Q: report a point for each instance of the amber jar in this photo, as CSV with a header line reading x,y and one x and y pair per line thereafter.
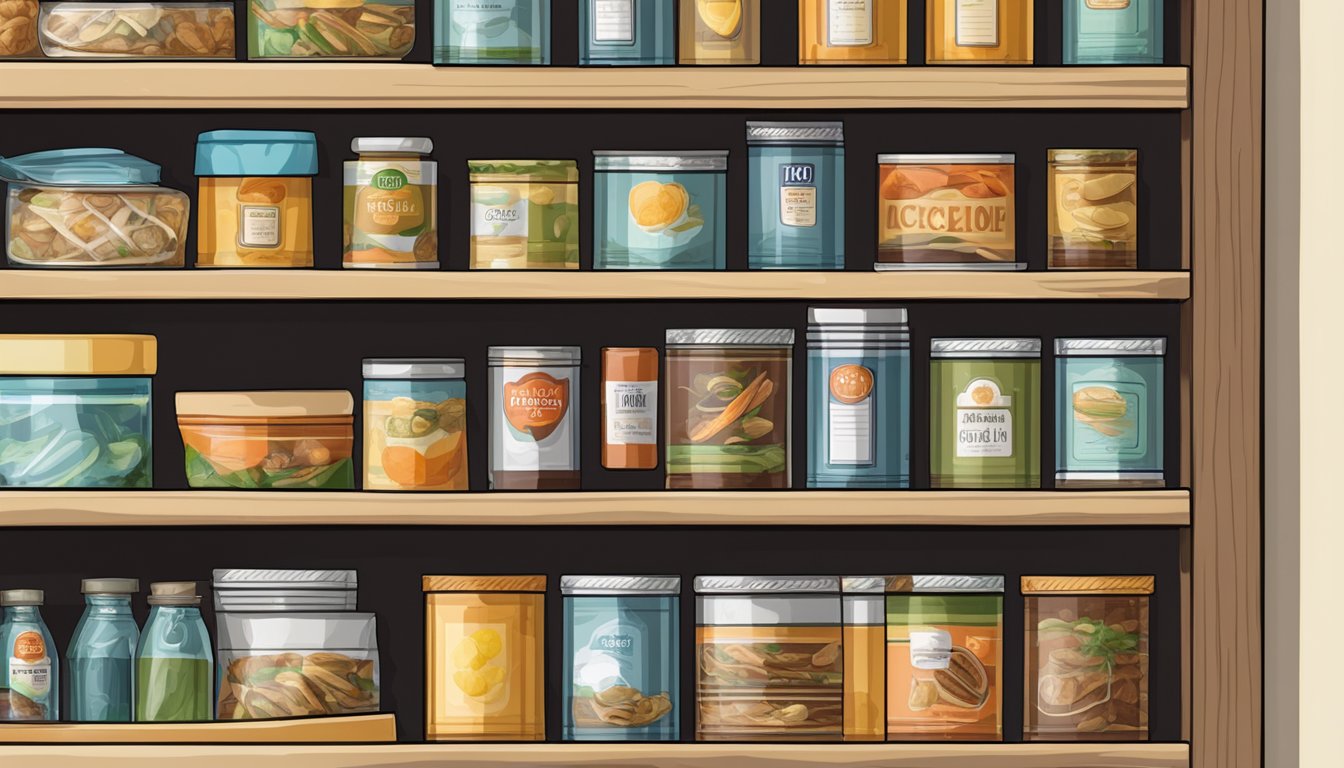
x,y
630,408
979,31
863,32
1094,208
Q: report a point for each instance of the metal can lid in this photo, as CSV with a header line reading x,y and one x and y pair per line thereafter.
x,y
173,593
796,133
986,348
411,145
283,578
415,368
21,597
1087,156
78,355
109,586
947,159
766,584
746,337
944,583
856,316
620,585
1088,585
653,160
863,585
539,356
1111,347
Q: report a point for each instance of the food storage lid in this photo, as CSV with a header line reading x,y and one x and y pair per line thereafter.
x,y
483,583
796,134
250,589
256,153
523,170
816,610
697,160
539,356
853,316
173,593
21,597
411,145
78,355
863,585
620,585
311,632
947,159
71,167
1110,347
720,337
1093,155
758,584
279,404
986,348
110,586
1088,585
414,368
944,583
865,602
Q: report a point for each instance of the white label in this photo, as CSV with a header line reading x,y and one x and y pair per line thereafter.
x,y
798,206
984,422
930,648
849,23
632,412
978,23
613,21
499,220
259,226
850,442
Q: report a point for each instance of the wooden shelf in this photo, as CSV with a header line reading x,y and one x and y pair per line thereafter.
x,y
309,85
192,508
323,730
185,284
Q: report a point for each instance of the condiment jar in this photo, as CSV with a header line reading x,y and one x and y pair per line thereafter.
x,y
391,204
720,32
797,195
500,32
1113,32
1094,208
330,29
415,424
947,212
979,31
534,418
629,407
660,210
627,32
524,214
1109,421
31,679
174,662
102,653
866,32
256,198
864,644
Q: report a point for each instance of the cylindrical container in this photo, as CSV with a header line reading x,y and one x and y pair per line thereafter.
x,y
1109,421
985,413
944,658
30,681
858,398
174,662
268,440
391,204
484,642
865,32
749,629
797,195
865,666
660,210
627,32
629,407
75,411
102,653
256,198
534,418
524,214
18,30
720,32
365,30
947,212
1113,32
729,408
415,424
1087,658
499,32
622,644
979,31
1094,208
151,31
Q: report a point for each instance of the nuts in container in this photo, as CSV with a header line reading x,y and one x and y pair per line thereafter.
x,y
137,30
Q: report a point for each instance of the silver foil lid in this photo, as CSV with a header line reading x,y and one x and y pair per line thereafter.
x,y
535,356
745,337
822,133
415,368
411,145
1111,347
695,160
766,584
863,585
284,579
110,586
620,585
855,316
986,348
946,159
944,583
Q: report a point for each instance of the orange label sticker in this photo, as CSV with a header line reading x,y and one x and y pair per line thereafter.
x,y
851,383
29,647
536,403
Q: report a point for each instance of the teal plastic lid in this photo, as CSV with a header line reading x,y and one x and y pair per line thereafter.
x,y
71,167
256,153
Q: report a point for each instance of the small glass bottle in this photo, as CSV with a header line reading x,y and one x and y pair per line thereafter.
x,y
639,33
102,653
796,181
979,31
509,32
391,204
630,408
174,662
720,32
30,686
1113,32
864,32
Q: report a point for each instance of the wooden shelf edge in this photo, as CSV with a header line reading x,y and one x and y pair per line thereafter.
x,y
318,730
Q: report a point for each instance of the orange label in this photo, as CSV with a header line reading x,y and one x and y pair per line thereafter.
x,y
28,647
851,383
536,403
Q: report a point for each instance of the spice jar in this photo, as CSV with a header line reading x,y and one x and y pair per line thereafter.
x,y
797,195
150,31
947,212
1109,420
391,204
864,644
367,30
1087,658
627,32
629,407
858,394
497,32
660,210
30,681
1113,32
534,418
622,644
484,641
944,658
18,29
102,653
865,32
524,214
728,408
174,663
256,198
980,31
985,397
1094,217
720,32
415,424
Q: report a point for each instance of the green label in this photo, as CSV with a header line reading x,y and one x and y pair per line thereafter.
x,y
388,179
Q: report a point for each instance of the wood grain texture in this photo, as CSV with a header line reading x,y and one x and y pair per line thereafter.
x,y
356,728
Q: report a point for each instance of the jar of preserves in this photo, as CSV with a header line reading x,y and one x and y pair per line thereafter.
x,y
864,645
365,30
391,204
534,418
947,212
415,424
1113,32
1094,208
1109,420
980,31
499,32
660,210
627,32
797,195
720,32
102,653
524,214
865,32
174,662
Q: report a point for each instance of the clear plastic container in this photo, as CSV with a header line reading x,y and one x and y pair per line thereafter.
x,y
31,688
862,32
330,29
166,30
947,212
720,32
18,30
174,664
1109,419
627,32
498,32
660,210
796,182
524,214
1113,32
415,424
101,654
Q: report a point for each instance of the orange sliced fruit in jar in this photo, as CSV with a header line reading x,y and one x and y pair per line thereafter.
x,y
722,17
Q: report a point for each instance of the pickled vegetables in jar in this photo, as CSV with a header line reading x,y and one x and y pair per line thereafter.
x,y
332,29
415,425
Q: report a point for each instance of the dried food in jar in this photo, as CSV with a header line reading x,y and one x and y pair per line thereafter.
x,y
18,28
138,30
50,227
1094,216
621,706
297,685
354,29
947,211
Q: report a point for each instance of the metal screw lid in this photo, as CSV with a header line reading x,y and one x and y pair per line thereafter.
x,y
764,584
746,337
804,133
986,348
110,586
1111,347
620,585
21,597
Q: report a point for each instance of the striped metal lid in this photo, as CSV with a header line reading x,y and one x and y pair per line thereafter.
x,y
1088,585
971,348
727,337
620,585
944,583
1145,347
766,584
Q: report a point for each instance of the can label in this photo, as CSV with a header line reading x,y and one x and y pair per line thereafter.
x,y
798,195
977,23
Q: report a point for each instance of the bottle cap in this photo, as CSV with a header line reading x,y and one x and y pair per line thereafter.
x,y
21,597
109,586
173,593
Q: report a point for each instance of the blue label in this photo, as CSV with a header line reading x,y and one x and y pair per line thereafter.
x,y
797,174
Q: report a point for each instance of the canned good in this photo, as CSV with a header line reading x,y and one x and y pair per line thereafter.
x,y
628,32
797,195
497,32
524,214
979,31
660,210
1113,32
1110,414
864,646
720,32
1094,214
415,424
863,32
534,418
629,407
947,212
391,204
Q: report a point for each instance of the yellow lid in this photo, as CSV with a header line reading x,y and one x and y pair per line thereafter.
x,y
1087,585
483,583
78,355
275,404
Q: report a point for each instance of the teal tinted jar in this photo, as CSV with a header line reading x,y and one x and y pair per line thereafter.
x,y
797,195
102,653
506,32
174,662
1109,424
1113,31
660,210
621,648
627,32
30,683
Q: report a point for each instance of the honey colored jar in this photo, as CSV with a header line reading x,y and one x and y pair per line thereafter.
x,y
979,31
629,408
720,32
861,32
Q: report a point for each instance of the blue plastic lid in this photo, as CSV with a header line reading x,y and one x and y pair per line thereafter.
x,y
69,167
256,153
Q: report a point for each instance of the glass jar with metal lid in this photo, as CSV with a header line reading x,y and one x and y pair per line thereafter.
x,y
1110,417
1094,208
1113,32
660,210
534,418
524,214
415,424
622,645
797,195
947,211
391,206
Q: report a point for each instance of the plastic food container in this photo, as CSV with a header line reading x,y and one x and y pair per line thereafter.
x,y
1110,418
75,411
660,210
865,32
1113,32
720,32
628,32
391,204
18,29
947,212
796,182
268,440
484,641
330,29
166,30
499,32
979,31
91,208
1094,208
534,418
524,214
415,425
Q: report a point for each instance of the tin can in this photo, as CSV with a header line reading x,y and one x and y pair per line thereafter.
x,y
797,195
947,212
534,418
639,33
660,210
1113,32
1109,420
391,204
1094,208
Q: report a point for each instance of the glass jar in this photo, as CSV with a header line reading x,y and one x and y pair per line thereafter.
x,y
75,411
621,651
330,29
720,32
865,32
30,688
797,195
944,658
864,644
1087,658
391,204
155,30
174,665
627,32
1110,413
102,653
534,418
485,637
858,394
980,31
985,400
629,407
660,210
947,212
90,208
415,424
268,440
256,198
18,30
1113,32
524,214
498,32
1094,208
729,408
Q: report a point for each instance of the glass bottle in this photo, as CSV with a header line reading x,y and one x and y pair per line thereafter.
x,y
174,666
102,652
30,685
